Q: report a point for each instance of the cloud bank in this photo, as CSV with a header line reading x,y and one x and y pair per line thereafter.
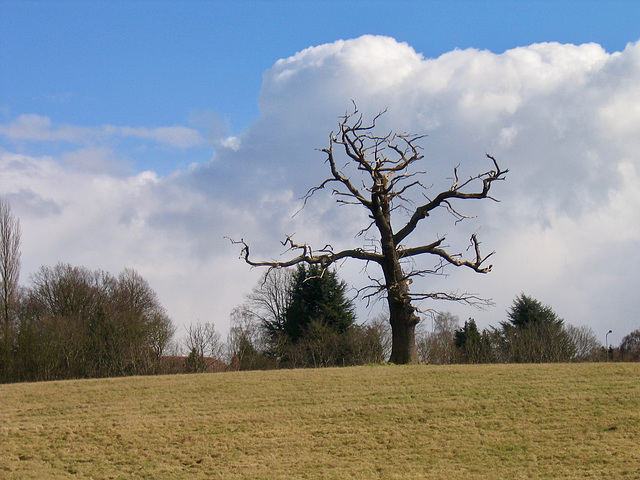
x,y
563,118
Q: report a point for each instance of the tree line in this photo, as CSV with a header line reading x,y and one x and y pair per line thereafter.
x,y
271,330
72,322
532,333
76,323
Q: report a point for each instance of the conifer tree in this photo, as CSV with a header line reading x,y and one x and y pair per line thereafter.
x,y
317,295
534,333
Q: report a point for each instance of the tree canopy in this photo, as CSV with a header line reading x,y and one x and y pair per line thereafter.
x,y
527,311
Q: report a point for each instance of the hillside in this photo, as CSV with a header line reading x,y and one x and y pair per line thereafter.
x,y
388,422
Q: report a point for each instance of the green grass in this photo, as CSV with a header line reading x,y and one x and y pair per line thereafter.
x,y
388,422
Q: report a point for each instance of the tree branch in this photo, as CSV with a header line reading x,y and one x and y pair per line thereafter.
x,y
323,257
421,212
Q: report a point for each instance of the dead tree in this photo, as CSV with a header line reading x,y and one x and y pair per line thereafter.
x,y
383,181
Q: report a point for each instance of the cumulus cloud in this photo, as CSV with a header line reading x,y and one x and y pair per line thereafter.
x,y
563,118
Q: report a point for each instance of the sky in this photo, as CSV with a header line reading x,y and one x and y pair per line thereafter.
x,y
145,134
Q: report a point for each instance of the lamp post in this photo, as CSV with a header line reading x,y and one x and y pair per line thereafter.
x,y
606,342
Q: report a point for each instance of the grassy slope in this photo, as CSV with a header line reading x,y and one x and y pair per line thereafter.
x,y
496,421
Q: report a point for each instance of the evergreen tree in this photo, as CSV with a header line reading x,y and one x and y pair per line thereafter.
x,y
527,311
534,333
316,296
474,347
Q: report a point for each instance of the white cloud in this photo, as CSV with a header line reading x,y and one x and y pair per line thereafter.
x,y
97,160
232,143
33,127
563,118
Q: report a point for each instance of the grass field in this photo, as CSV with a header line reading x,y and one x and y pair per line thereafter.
x,y
388,422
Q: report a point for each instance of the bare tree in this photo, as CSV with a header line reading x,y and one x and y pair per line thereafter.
x,y
269,299
205,347
9,262
630,347
585,343
380,330
246,341
438,346
383,181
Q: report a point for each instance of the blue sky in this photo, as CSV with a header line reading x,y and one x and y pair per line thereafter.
x,y
156,63
142,133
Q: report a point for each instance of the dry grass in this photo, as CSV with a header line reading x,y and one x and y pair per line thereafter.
x,y
496,421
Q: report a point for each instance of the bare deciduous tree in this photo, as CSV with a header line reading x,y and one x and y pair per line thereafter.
x,y
246,342
438,346
9,261
269,299
205,347
585,342
630,347
380,330
382,180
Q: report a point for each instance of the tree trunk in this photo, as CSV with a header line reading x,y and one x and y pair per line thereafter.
x,y
402,314
403,329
